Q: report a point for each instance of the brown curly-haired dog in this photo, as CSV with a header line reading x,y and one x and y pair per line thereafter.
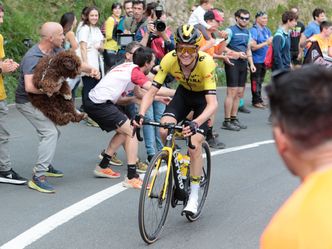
x,y
50,77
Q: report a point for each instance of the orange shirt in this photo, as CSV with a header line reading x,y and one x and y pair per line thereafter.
x,y
211,51
305,219
323,43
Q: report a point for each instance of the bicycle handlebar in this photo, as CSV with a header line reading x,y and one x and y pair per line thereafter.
x,y
171,126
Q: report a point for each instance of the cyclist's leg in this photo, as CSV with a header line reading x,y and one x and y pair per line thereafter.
x,y
166,119
196,159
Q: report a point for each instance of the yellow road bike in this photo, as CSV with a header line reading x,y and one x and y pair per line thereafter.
x,y
167,182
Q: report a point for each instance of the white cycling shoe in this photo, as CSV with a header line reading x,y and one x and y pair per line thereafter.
x,y
191,207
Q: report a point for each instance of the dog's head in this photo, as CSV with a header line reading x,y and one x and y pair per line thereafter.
x,y
68,64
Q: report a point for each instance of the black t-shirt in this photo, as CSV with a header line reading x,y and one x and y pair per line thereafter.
x,y
295,35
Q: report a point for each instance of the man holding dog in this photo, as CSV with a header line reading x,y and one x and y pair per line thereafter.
x,y
52,37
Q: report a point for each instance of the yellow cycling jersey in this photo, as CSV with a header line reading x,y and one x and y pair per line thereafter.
x,y
201,79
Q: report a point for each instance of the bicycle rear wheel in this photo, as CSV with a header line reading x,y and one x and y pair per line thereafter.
x,y
205,182
153,208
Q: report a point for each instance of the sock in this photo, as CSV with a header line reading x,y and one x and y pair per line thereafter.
x,y
131,171
209,133
227,120
105,161
233,118
241,103
194,185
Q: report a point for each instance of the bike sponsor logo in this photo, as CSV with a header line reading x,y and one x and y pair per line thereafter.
x,y
178,171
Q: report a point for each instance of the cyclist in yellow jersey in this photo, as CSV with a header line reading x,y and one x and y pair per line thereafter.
x,y
194,70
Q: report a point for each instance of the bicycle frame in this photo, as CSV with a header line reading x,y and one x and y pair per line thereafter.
x,y
169,145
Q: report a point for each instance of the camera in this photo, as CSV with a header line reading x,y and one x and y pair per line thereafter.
x,y
28,42
124,39
159,25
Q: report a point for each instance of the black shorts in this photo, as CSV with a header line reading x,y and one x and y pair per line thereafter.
x,y
294,60
106,115
236,75
184,102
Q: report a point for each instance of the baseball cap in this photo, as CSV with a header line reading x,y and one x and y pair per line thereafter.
x,y
213,15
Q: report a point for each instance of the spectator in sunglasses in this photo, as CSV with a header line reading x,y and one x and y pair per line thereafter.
x,y
238,44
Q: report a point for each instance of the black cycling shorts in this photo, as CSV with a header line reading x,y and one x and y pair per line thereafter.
x,y
184,102
236,75
106,115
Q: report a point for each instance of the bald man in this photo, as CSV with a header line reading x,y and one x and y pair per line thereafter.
x,y
51,39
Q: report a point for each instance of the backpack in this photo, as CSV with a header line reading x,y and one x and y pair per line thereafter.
x,y
115,29
268,61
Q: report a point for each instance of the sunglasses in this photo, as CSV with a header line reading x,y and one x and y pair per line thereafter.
x,y
244,18
189,50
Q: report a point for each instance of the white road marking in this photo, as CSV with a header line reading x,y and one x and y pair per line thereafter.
x,y
44,227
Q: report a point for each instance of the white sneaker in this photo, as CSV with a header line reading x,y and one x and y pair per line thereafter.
x,y
191,207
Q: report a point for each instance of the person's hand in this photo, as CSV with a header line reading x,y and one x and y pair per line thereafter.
x,y
210,43
252,68
189,128
8,66
95,73
300,55
242,55
233,55
311,39
138,120
227,60
151,28
269,41
223,34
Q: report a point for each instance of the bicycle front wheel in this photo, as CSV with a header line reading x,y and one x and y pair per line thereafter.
x,y
205,182
155,198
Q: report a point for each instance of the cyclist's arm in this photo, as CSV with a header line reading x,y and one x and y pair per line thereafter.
x,y
147,100
210,109
163,91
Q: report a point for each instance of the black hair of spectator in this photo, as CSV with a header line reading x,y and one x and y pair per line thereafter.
x,y
325,25
241,11
115,5
132,45
317,12
150,7
143,55
87,13
301,104
288,16
126,2
2,9
83,13
66,21
138,2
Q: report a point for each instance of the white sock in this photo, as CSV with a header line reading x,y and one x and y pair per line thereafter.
x,y
194,191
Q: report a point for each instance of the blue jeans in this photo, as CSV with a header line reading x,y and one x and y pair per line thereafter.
x,y
151,134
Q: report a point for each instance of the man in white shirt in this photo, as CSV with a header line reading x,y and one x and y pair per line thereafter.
x,y
101,107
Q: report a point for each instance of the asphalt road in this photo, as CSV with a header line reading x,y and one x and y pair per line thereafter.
x,y
248,184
